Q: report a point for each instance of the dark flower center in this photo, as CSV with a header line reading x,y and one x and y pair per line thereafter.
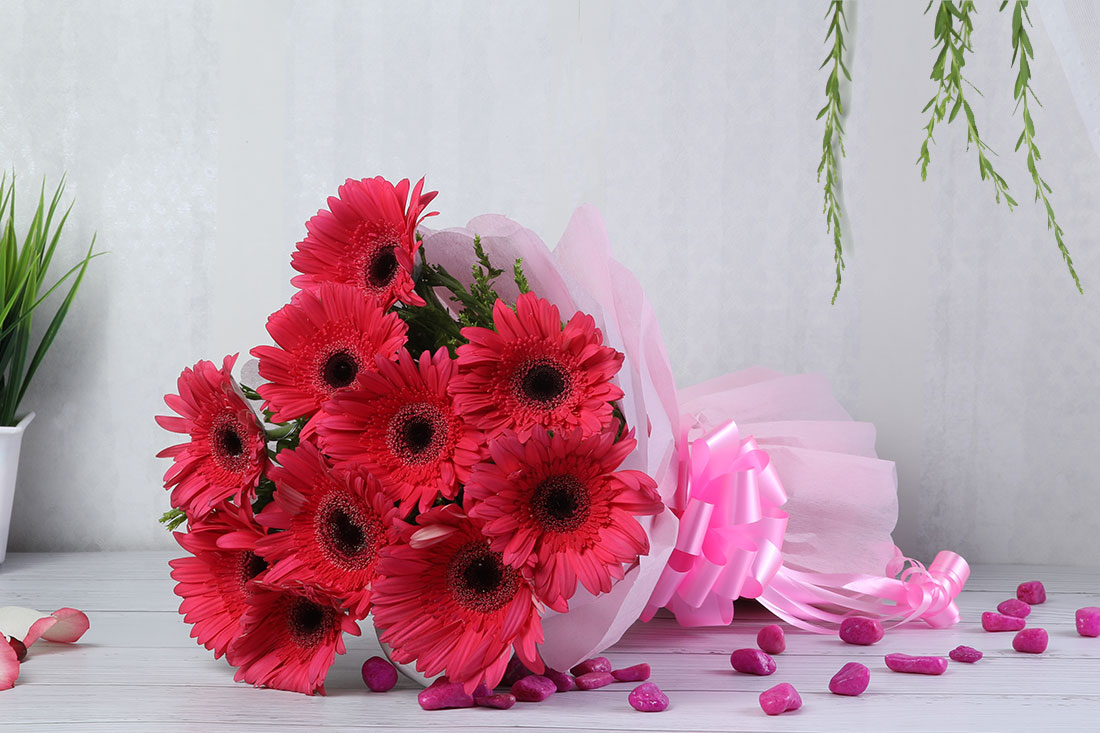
x,y
543,382
560,503
308,621
416,433
228,442
381,267
479,579
346,537
252,565
340,369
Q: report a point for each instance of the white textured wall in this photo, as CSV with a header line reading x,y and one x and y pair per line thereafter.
x,y
200,136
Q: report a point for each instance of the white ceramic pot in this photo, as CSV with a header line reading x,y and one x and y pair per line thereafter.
x,y
11,439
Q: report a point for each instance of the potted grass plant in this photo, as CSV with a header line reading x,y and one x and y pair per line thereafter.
x,y
24,273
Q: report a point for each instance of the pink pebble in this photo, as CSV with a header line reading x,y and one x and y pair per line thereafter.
x,y
1030,641
648,698
998,622
861,630
500,701
379,674
534,688
1014,607
594,680
851,680
780,699
443,694
1088,621
771,639
563,681
596,664
514,672
916,665
752,661
966,654
637,673
1031,592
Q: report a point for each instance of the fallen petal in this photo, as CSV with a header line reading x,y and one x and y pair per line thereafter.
x,y
64,625
9,667
71,625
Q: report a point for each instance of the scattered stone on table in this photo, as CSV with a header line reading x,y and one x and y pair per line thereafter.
x,y
752,661
861,630
916,665
771,639
999,622
1088,621
594,680
1014,607
379,674
1031,592
966,654
636,673
851,680
534,688
563,681
443,694
648,698
596,664
500,701
1030,641
782,698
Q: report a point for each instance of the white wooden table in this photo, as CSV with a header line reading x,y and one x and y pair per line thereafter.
x,y
137,669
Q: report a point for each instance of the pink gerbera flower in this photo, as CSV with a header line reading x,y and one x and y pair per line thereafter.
x,y
227,451
333,528
533,371
327,339
401,426
214,582
557,504
366,238
289,639
449,602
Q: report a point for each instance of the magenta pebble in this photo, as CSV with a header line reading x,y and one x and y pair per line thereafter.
x,y
500,701
1088,621
514,672
637,673
1030,641
534,688
916,665
648,698
594,680
782,698
966,654
596,664
771,639
752,661
1014,607
851,680
563,681
997,622
1031,592
443,694
861,630
379,674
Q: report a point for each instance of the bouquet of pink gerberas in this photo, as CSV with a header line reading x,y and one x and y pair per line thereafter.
x,y
477,444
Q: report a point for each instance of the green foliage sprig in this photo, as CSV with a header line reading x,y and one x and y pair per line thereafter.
x,y
833,139
1021,53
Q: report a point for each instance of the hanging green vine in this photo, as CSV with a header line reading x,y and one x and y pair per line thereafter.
x,y
834,131
1021,53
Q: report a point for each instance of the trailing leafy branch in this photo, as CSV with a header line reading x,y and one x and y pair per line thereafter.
x,y
833,139
953,26
1021,53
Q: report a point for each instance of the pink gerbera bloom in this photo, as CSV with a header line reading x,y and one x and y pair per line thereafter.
x,y
449,602
227,451
401,426
366,238
333,526
557,504
289,639
327,339
533,371
214,582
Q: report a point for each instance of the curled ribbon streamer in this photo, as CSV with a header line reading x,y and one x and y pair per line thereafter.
x,y
730,543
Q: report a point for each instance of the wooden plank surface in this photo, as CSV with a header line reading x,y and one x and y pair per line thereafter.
x,y
137,669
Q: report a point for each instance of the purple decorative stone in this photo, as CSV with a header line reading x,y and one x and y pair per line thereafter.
x,y
594,680
648,698
596,664
637,673
861,630
514,672
1088,621
1014,607
851,680
563,681
782,698
379,674
771,639
1031,592
916,665
443,694
998,622
966,654
500,701
1030,641
534,688
752,661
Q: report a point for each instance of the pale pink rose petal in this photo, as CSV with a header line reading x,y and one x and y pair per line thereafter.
x,y
64,625
9,667
38,629
71,625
